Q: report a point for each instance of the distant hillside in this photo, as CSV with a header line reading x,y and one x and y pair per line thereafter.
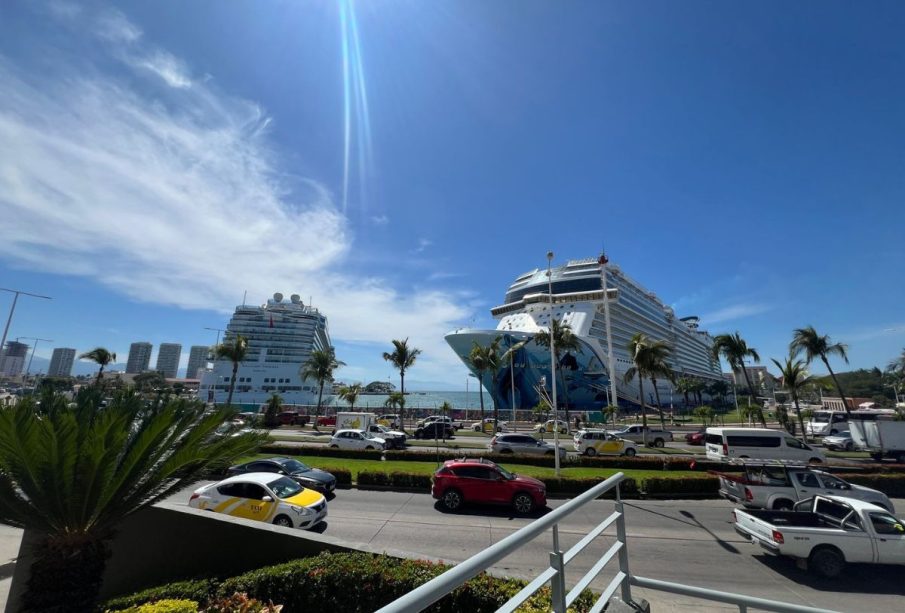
x,y
861,383
40,365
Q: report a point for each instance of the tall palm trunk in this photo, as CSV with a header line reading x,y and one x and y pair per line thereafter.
x,y
481,397
848,411
804,434
317,409
496,410
763,420
100,373
565,394
686,398
659,406
232,384
402,406
643,410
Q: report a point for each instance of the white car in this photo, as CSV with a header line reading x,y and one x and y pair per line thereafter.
x,y
601,442
486,425
523,444
548,426
267,497
356,439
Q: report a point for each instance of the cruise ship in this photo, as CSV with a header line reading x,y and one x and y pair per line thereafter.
x,y
281,335
578,300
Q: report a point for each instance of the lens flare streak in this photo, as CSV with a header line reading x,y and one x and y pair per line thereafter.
x,y
357,134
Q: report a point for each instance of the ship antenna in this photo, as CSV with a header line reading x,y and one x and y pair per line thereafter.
x,y
244,296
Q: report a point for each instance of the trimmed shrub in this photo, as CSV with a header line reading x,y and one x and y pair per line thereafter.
x,y
360,582
373,477
169,605
573,487
343,475
412,480
665,486
198,590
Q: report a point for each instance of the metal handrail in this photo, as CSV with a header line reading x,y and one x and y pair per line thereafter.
x,y
438,587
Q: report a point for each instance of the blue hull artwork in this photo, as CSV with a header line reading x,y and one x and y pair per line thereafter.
x,y
581,377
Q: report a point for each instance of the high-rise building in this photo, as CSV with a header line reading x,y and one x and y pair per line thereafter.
x,y
61,362
197,360
12,359
168,359
139,357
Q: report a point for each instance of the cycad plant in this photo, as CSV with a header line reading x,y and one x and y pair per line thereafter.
x,y
814,345
71,472
100,356
320,365
234,351
402,358
564,340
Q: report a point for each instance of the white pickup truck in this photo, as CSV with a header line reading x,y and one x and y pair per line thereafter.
x,y
779,486
656,437
834,532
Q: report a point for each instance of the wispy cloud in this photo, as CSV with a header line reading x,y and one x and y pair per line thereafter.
x,y
442,276
180,199
423,244
380,220
734,312
867,334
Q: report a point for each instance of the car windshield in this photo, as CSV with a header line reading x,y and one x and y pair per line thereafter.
x,y
506,474
294,466
284,487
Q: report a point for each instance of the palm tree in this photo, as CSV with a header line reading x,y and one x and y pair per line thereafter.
x,y
233,351
402,358
272,411
794,377
483,359
648,360
149,381
734,349
813,345
509,356
395,400
71,472
897,365
100,356
350,394
320,366
564,340
685,386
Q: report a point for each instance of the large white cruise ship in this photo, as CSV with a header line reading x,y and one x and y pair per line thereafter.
x,y
578,299
281,335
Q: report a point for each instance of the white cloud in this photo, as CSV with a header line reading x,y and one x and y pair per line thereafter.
x,y
423,244
733,312
116,27
171,69
178,199
380,220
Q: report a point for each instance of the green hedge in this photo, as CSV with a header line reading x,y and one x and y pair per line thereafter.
x,y
892,485
199,590
343,476
658,486
360,582
573,487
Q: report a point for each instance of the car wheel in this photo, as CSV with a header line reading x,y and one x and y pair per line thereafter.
x,y
452,499
876,457
630,452
334,446
849,446
659,443
506,450
542,430
827,562
590,452
523,503
815,461
282,520
782,505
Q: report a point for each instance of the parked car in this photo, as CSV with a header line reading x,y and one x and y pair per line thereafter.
x,y
486,425
301,473
475,480
435,429
325,420
601,442
780,486
839,442
293,418
547,426
832,532
265,497
524,444
356,439
656,437
696,438
758,444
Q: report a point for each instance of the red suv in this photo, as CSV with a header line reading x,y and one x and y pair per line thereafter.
x,y
481,481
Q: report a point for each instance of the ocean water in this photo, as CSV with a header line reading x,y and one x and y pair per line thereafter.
x,y
420,400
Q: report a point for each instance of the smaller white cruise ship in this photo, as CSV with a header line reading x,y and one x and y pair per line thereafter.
x,y
281,335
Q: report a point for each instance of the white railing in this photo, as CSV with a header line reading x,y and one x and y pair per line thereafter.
x,y
425,595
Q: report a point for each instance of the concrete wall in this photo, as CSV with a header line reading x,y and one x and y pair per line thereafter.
x,y
169,542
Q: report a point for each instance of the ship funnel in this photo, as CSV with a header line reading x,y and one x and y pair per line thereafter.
x,y
278,297
295,298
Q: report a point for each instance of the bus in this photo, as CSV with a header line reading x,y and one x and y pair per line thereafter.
x,y
824,423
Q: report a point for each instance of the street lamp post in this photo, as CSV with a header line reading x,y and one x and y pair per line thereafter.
x,y
553,366
33,349
12,310
218,331
614,399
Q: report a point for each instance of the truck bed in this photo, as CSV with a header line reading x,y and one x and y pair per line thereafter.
x,y
795,519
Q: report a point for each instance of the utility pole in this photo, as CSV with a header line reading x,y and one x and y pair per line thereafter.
x,y
603,260
553,366
12,309
33,349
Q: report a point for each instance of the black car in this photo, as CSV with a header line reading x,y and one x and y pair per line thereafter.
x,y
435,429
304,475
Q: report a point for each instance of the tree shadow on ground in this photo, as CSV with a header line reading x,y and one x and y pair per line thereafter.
x,y
855,578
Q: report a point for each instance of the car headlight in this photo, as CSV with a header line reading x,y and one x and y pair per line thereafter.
x,y
302,510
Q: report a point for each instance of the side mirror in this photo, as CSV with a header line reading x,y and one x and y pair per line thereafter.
x,y
267,499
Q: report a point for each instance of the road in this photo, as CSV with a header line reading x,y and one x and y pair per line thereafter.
x,y
690,542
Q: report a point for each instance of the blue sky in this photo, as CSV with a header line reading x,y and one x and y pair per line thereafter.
x,y
743,160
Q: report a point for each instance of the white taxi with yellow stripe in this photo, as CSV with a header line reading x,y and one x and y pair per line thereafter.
x,y
266,497
601,442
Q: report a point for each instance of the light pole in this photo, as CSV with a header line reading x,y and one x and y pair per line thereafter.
x,y
218,331
12,309
512,377
603,260
553,366
33,349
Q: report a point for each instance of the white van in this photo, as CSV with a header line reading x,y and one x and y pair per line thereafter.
x,y
759,444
